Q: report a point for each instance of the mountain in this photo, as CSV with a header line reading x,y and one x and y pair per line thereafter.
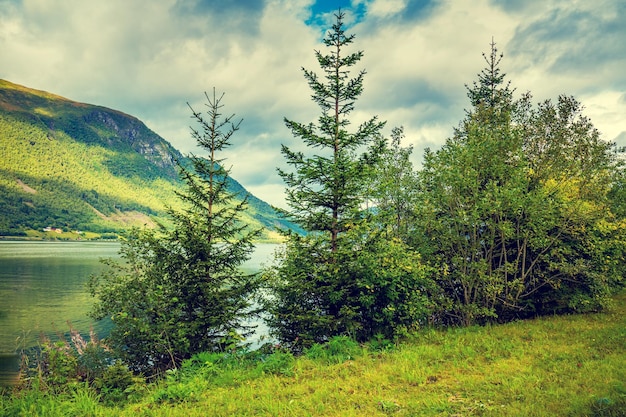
x,y
69,166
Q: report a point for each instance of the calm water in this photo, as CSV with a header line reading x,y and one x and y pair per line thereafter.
x,y
43,286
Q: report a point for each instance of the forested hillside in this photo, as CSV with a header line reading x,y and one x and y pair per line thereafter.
x,y
80,167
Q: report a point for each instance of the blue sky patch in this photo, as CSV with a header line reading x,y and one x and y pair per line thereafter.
x,y
322,12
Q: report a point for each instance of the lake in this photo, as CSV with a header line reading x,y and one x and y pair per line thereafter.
x,y
43,286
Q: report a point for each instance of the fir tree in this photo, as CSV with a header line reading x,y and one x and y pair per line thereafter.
x,y
325,190
490,90
344,277
181,290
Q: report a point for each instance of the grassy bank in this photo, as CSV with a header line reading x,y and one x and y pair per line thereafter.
x,y
553,366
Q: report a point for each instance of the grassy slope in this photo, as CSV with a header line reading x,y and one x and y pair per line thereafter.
x,y
57,171
78,166
555,366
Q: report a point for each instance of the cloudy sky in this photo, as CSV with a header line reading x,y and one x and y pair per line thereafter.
x,y
149,58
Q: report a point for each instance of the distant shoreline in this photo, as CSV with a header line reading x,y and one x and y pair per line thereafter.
x,y
62,238
35,235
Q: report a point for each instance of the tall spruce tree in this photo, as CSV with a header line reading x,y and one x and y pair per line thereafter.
x,y
324,191
344,277
180,290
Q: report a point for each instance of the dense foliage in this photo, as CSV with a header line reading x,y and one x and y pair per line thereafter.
x,y
180,290
370,286
392,191
514,209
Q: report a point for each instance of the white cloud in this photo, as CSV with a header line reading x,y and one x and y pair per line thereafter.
x,y
384,8
606,110
419,69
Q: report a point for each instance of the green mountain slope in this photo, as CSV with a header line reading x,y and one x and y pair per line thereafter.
x,y
77,166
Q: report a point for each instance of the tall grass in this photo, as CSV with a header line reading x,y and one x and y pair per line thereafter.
x,y
554,366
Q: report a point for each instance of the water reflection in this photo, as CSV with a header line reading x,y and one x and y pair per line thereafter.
x,y
42,286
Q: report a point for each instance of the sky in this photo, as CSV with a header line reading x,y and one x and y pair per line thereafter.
x,y
149,58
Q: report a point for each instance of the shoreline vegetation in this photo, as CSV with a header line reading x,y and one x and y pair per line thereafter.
x,y
567,365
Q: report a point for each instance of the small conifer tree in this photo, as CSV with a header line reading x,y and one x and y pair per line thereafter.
x,y
181,290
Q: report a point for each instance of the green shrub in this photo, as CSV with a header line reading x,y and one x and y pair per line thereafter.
x,y
117,384
174,393
337,350
72,364
370,285
278,363
380,343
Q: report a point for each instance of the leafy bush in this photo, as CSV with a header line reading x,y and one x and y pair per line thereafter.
x,y
369,285
278,363
515,209
204,364
380,343
71,360
117,384
174,393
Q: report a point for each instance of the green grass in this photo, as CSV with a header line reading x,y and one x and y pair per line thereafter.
x,y
553,366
